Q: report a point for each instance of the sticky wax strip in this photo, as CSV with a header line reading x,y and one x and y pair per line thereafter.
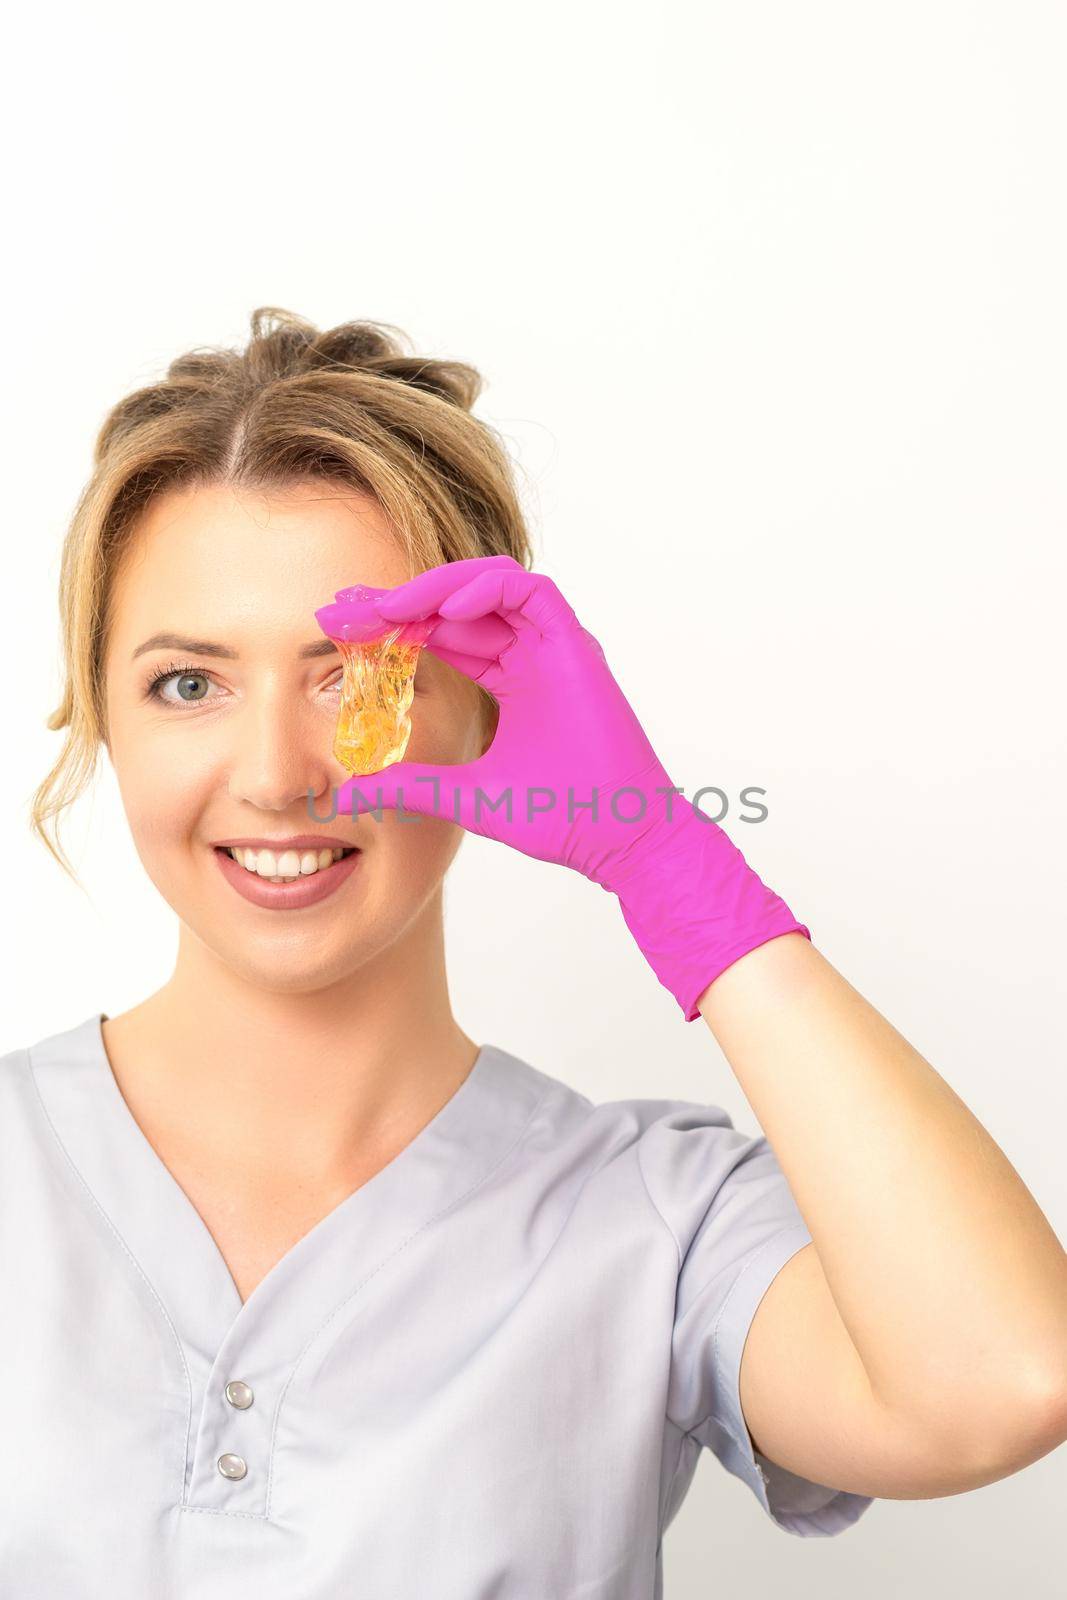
x,y
378,683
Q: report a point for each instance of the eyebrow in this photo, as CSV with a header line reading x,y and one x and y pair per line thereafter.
x,y
203,647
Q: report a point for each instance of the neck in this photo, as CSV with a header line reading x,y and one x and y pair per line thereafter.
x,y
311,1086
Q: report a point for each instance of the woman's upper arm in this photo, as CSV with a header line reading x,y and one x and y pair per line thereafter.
x,y
810,1409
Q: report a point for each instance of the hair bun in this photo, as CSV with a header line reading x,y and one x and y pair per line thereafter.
x,y
285,345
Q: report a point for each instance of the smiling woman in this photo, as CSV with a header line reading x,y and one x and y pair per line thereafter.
x,y
354,1292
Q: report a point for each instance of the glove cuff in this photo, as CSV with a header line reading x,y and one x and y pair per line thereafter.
x,y
695,906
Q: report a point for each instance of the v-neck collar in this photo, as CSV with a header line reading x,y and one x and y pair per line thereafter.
x,y
307,1296
173,1250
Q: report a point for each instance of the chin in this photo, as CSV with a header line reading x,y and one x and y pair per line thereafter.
x,y
283,972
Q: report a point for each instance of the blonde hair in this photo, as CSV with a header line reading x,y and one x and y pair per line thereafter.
x,y
350,405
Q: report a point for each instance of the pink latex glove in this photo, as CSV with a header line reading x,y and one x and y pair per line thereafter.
x,y
565,730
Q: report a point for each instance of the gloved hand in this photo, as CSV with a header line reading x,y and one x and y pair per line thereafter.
x,y
570,776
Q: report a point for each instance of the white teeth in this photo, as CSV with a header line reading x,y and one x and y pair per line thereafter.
x,y
286,866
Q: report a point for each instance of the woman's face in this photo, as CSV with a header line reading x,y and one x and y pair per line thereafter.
x,y
237,752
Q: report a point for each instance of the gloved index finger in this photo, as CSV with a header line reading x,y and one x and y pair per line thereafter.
x,y
424,593
354,618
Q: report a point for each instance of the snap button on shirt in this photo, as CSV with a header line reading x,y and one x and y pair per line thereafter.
x,y
232,1466
239,1395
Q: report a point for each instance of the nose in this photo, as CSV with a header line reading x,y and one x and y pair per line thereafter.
x,y
280,752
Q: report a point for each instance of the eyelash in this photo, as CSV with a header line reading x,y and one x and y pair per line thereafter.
x,y
177,669
182,669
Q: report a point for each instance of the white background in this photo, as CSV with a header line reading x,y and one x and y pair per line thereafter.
x,y
769,300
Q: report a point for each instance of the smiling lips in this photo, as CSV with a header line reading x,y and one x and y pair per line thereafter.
x,y
299,887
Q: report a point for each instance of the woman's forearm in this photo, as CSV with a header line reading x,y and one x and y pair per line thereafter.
x,y
946,1273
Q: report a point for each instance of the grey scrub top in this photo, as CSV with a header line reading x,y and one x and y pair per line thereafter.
x,y
486,1374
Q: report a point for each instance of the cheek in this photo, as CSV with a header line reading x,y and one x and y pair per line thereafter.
x,y
447,727
163,788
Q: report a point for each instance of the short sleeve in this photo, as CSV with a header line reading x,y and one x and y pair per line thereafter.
x,y
728,1204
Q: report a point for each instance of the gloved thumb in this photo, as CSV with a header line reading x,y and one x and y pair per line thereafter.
x,y
412,787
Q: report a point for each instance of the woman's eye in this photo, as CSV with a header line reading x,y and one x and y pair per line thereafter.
x,y
182,681
191,686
